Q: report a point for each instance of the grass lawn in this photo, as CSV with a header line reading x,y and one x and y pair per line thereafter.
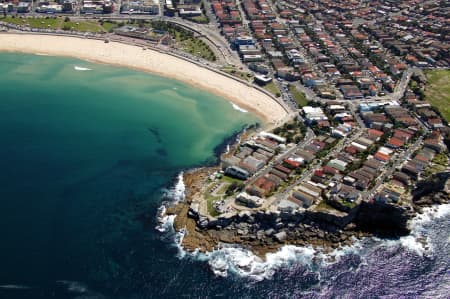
x,y
272,88
195,46
200,19
324,206
437,91
210,200
236,73
83,26
108,26
298,96
41,23
55,23
11,20
198,48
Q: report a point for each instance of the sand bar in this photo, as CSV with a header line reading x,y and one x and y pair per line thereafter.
x,y
151,61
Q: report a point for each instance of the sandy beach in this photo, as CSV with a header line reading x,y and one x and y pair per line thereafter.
x,y
150,61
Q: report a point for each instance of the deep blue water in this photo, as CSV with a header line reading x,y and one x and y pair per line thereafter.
x,y
85,160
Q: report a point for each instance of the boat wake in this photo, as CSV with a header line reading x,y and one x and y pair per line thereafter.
x,y
236,107
79,68
234,260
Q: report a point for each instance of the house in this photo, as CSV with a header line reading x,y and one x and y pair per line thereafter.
x,y
314,114
330,170
337,164
279,174
374,134
306,199
381,157
310,189
237,172
412,169
293,163
395,143
283,169
249,200
373,163
402,177
433,144
253,163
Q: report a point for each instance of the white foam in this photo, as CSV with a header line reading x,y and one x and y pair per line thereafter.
x,y
417,241
177,192
165,223
41,54
242,262
357,247
74,286
228,149
236,107
79,68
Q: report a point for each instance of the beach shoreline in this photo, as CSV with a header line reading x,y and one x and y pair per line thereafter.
x,y
151,61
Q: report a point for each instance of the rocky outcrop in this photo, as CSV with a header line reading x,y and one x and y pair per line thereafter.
x,y
383,219
435,190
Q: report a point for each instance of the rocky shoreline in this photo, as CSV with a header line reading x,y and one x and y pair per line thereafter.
x,y
265,232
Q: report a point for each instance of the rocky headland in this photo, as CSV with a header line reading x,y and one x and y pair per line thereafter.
x,y
266,231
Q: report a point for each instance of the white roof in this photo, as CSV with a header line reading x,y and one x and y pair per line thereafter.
x,y
335,107
310,109
385,150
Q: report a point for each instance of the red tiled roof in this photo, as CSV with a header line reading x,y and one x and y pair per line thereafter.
x,y
375,132
292,163
319,173
351,149
396,142
330,170
382,157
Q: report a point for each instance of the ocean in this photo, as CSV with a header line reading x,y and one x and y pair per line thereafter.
x,y
88,154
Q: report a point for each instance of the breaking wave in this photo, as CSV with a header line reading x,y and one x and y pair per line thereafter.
x,y
236,107
173,195
177,192
234,260
79,68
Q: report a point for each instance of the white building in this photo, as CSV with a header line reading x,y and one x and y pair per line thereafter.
x,y
249,200
313,114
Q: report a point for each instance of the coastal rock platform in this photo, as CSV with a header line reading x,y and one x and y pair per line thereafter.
x,y
266,232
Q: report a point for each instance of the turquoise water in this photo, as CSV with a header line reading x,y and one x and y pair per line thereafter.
x,y
85,155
